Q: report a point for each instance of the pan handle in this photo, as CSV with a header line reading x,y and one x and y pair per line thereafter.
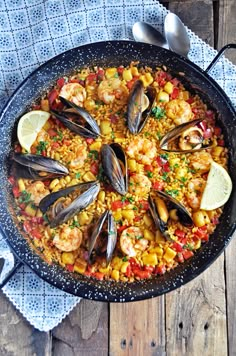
x,y
8,267
218,56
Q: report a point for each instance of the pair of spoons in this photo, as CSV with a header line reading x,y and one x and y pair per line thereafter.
x,y
176,37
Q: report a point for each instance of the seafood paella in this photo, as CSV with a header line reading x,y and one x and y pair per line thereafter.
x,y
111,184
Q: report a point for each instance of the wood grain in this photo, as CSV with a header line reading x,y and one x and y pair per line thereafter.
x,y
17,336
227,26
84,332
196,315
137,328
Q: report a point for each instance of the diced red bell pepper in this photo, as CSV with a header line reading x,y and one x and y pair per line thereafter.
x,y
177,247
187,254
141,274
148,168
16,191
118,204
128,271
180,233
202,233
33,150
52,95
36,107
175,93
100,75
195,110
94,168
36,234
130,83
114,118
55,145
221,143
161,269
166,167
22,206
70,268
175,82
60,82
215,220
217,131
52,133
27,226
158,185
144,204
120,69
98,275
190,100
89,140
149,268
66,142
180,257
122,228
11,180
134,263
91,77
137,218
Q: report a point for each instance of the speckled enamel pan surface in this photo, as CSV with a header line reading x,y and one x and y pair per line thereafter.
x,y
113,54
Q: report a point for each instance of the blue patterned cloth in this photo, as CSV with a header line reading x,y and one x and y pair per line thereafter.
x,y
33,31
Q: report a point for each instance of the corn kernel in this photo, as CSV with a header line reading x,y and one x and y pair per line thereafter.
x,y
117,215
216,151
115,275
80,265
124,267
181,173
95,145
157,250
21,185
117,263
128,214
53,183
30,210
119,139
134,71
104,270
57,156
132,165
88,177
150,259
67,179
148,235
89,104
163,96
174,161
83,218
169,88
197,244
110,72
127,75
101,196
169,254
105,127
147,220
68,258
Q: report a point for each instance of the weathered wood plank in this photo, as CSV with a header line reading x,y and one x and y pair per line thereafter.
x,y
227,26
196,315
84,332
17,336
198,16
138,328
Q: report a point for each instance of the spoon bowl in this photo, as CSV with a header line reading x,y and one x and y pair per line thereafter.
x,y
176,35
143,32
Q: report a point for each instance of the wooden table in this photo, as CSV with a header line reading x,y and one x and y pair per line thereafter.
x,y
197,319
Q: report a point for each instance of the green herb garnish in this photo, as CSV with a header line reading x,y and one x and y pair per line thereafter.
x,y
93,154
158,112
172,192
77,175
149,174
41,147
25,197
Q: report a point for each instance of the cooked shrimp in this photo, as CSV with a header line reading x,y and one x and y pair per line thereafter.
x,y
132,241
143,150
111,88
74,92
139,185
38,191
68,239
194,193
179,110
79,157
201,161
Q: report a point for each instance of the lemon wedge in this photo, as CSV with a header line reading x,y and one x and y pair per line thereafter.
x,y
29,126
218,188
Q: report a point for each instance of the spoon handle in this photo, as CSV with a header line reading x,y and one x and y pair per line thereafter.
x,y
219,55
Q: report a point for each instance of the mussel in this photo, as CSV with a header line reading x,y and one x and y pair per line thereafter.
x,y
35,167
104,236
139,106
77,119
164,205
60,214
114,165
187,137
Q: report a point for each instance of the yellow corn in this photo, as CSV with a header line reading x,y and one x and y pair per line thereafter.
x,y
83,218
200,218
169,88
105,127
147,220
95,145
134,71
101,196
119,139
53,183
45,105
89,176
68,258
57,156
150,259
128,214
174,161
127,75
115,275
30,210
67,179
89,104
180,173
124,267
216,151
132,165
148,235
163,96
117,215
104,270
146,78
47,125
169,254
21,185
74,181
80,265
110,72
157,250
117,263
39,213
197,244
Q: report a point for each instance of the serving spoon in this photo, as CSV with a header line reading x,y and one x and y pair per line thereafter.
x,y
143,32
176,35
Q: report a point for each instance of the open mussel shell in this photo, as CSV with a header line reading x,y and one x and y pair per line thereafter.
x,y
189,138
88,128
35,167
111,235
139,106
114,164
88,193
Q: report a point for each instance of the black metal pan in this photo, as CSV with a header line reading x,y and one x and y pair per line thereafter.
x,y
115,53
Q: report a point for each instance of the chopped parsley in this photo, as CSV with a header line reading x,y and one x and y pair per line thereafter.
x,y
125,259
74,224
183,179
147,134
172,192
164,156
41,147
158,112
93,154
59,137
113,135
116,75
149,174
77,175
45,218
165,176
159,136
139,237
25,197
100,174
188,247
191,170
129,199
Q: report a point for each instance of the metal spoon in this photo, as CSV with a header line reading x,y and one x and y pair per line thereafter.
x,y
176,35
143,32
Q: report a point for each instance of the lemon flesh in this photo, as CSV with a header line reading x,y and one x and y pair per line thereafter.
x,y
218,188
29,126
